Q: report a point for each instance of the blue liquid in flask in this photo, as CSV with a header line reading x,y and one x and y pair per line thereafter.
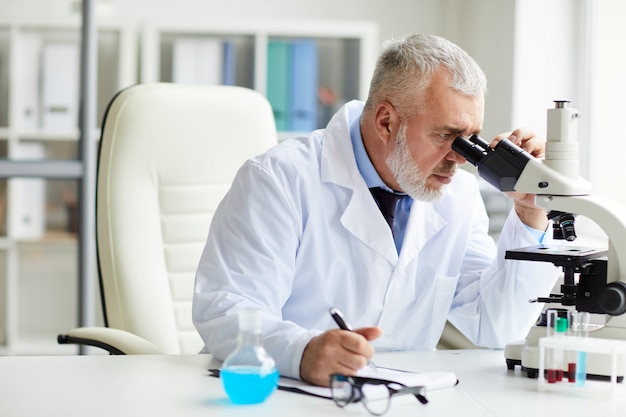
x,y
249,374
248,385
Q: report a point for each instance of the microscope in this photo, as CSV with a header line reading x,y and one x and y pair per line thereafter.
x,y
594,279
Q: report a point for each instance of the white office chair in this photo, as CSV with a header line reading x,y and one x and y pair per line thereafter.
x,y
168,154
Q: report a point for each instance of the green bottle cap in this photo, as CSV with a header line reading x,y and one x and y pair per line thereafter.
x,y
561,325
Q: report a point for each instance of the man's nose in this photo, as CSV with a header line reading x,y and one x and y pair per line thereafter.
x,y
455,157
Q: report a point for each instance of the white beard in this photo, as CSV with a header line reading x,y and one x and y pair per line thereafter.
x,y
407,173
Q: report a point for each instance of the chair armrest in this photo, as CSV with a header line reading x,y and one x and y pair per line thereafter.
x,y
114,341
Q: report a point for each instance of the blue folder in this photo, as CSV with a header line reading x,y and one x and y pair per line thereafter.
x,y
303,71
278,52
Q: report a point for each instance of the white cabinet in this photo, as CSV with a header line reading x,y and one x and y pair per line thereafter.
x,y
39,111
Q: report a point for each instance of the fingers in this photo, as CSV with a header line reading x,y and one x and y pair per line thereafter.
x,y
526,139
531,215
337,351
498,138
369,333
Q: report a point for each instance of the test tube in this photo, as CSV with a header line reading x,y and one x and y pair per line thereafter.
x,y
551,373
580,328
557,326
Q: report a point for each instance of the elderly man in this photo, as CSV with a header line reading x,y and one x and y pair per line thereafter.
x,y
371,215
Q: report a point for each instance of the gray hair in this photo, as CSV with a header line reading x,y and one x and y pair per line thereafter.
x,y
404,69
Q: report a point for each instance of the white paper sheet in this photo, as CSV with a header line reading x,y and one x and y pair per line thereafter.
x,y
430,380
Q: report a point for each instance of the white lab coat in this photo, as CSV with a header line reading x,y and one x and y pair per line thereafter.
x,y
299,232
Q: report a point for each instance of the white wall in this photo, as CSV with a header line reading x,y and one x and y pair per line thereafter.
x,y
529,51
486,30
607,93
545,59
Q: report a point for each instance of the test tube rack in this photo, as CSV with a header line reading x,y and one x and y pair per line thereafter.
x,y
611,351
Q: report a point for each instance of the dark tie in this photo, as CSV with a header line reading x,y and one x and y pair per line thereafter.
x,y
387,203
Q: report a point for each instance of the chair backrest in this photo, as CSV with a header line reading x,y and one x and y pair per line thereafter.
x,y
168,154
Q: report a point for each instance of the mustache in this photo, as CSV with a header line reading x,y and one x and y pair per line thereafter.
x,y
447,167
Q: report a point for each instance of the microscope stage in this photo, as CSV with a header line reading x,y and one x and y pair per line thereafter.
x,y
559,255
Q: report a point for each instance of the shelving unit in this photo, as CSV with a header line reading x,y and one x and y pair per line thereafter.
x,y
37,61
135,52
347,53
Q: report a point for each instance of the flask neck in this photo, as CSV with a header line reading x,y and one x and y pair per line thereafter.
x,y
250,338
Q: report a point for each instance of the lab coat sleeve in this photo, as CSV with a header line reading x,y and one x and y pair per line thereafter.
x,y
249,261
491,307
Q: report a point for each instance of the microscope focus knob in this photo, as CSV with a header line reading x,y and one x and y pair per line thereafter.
x,y
613,298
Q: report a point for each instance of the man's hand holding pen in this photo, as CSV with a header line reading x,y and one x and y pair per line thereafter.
x,y
341,351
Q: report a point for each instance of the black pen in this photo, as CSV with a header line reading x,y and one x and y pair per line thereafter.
x,y
341,322
338,317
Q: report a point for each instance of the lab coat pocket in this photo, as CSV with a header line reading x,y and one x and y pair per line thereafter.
x,y
442,300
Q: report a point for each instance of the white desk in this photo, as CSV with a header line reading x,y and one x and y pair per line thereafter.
x,y
179,386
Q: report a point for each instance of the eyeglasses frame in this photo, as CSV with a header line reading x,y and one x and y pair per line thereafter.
x,y
357,382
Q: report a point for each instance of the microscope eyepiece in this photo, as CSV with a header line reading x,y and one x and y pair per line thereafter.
x,y
500,166
470,150
475,139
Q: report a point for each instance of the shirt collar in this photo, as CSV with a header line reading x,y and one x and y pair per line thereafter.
x,y
363,162
366,168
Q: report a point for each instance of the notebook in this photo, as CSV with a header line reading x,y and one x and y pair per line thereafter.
x,y
429,380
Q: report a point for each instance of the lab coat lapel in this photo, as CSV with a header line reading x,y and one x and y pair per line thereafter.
x,y
424,222
361,216
363,219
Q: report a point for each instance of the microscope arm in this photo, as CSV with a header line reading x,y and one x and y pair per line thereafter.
x,y
539,178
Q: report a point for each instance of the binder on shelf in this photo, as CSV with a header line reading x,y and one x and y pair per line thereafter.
x,y
4,94
29,63
184,65
197,60
59,86
278,52
304,83
26,197
3,213
229,69
3,303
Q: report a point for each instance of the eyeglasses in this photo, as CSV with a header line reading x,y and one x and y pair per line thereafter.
x,y
375,394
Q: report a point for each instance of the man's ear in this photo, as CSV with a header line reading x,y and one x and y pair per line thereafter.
x,y
386,121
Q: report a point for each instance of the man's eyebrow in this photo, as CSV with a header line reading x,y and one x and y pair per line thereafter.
x,y
451,130
456,130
